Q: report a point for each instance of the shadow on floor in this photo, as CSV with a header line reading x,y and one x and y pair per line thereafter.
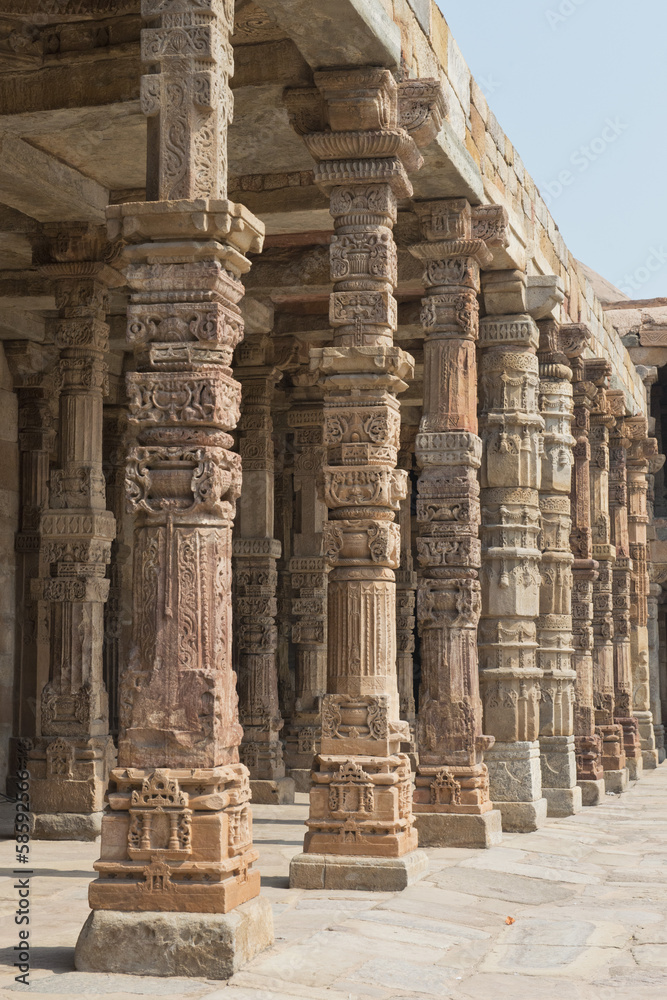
x,y
275,881
58,960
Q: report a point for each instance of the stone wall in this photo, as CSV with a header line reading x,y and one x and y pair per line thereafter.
x,y
494,168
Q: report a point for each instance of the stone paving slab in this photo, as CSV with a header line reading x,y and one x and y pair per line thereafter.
x,y
587,897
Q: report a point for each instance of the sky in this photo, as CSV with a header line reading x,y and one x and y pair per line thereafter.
x,y
580,89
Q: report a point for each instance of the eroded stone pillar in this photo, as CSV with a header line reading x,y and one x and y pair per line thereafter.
x,y
590,775
618,509
554,625
361,797
178,833
598,371
451,801
654,594
642,459
511,428
308,571
256,553
73,751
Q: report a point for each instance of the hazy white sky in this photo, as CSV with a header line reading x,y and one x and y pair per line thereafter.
x,y
580,88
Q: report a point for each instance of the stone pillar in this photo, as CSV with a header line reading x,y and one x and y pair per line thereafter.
x,y
256,553
178,834
406,597
598,372
554,625
73,751
511,428
451,801
655,591
590,775
360,801
309,586
31,366
618,509
642,459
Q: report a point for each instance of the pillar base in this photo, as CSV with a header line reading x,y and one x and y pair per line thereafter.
x,y
209,945
563,801
459,829
339,871
650,759
67,826
522,817
301,778
659,734
616,781
273,793
635,766
592,792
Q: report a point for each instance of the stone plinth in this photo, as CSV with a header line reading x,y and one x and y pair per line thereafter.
x,y
206,945
515,777
369,874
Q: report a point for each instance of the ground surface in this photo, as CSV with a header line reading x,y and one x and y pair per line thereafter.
x,y
587,895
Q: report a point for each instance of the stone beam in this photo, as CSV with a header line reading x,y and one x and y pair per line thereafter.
x,y
45,188
340,33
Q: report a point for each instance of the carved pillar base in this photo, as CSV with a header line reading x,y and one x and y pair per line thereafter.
x,y
452,807
592,792
68,779
613,753
186,839
632,746
617,781
647,738
659,733
326,871
516,785
559,775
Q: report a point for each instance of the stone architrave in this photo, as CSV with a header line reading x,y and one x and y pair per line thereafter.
x,y
590,774
511,428
554,625
622,574
598,371
73,750
256,553
178,833
406,598
308,573
32,367
361,797
643,459
451,801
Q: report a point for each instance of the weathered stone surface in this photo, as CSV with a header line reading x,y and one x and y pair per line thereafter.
x,y
459,829
67,826
374,874
212,945
276,792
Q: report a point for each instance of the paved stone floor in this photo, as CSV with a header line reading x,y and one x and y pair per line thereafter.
x,y
587,897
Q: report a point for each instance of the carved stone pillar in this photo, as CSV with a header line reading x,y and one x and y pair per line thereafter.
x,y
655,591
511,428
643,458
406,597
598,371
309,586
178,834
73,751
554,625
32,368
590,774
360,801
451,800
256,553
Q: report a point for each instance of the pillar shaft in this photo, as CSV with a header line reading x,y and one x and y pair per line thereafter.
x,y
74,751
554,625
179,835
360,802
308,571
406,598
511,428
451,776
